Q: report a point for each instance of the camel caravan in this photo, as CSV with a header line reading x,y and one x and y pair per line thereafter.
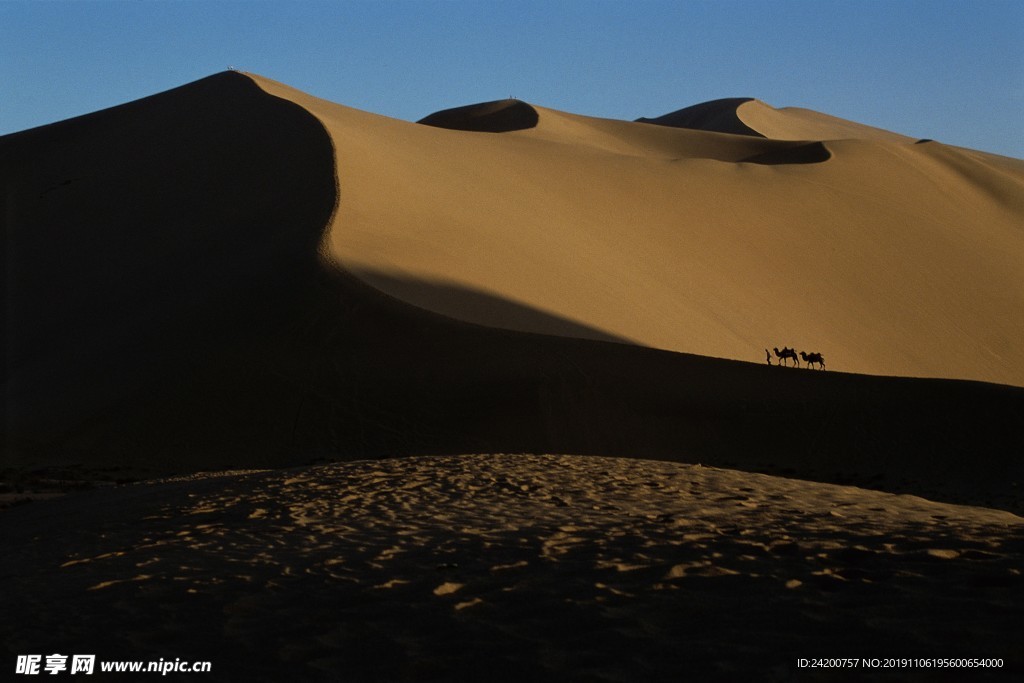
x,y
810,359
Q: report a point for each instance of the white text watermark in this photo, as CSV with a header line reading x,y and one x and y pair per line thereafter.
x,y
56,663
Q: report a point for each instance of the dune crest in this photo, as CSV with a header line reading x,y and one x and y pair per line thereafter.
x,y
719,116
795,123
749,116
491,117
154,230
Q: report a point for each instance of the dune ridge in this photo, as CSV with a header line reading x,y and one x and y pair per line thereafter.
x,y
749,116
492,117
796,123
719,116
141,238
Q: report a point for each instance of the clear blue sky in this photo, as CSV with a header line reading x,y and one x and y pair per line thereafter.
x,y
949,70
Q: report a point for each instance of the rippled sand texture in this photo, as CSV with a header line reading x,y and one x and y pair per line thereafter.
x,y
509,567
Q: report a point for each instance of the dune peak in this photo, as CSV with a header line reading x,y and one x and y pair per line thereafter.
x,y
718,116
754,117
499,116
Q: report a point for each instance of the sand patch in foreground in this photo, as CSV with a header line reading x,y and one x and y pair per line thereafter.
x,y
509,567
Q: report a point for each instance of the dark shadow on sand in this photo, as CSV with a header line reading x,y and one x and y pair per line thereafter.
x,y
799,153
487,309
718,116
500,116
143,240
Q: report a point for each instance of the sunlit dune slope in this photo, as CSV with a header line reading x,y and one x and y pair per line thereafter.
x,y
887,256
796,123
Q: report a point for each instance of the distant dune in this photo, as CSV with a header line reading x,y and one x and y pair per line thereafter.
x,y
491,117
234,273
720,116
747,116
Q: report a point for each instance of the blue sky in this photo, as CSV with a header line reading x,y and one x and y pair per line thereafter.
x,y
953,71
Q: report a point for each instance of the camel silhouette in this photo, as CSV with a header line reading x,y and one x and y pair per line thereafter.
x,y
812,358
786,353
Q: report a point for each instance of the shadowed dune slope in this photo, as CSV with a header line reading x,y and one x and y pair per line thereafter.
x,y
747,116
888,257
490,117
142,239
719,116
217,277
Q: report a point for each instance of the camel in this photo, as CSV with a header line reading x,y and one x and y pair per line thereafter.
x,y
786,353
812,358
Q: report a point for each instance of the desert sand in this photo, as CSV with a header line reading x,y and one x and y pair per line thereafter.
x,y
512,568
331,308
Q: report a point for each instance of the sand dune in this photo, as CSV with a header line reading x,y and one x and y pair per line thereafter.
x,y
720,116
491,117
887,256
747,116
189,278
795,123
140,240
234,274
512,567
